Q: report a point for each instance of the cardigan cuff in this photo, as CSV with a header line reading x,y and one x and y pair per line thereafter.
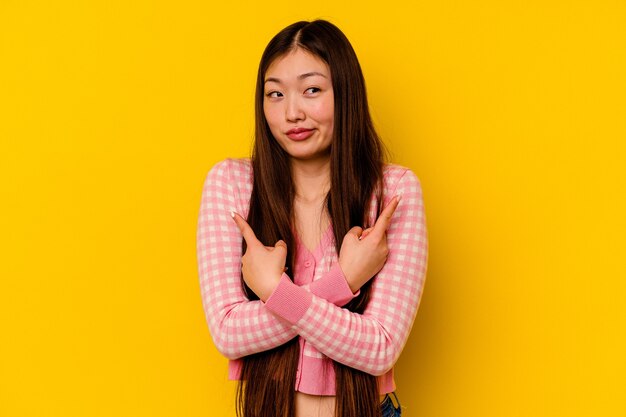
x,y
333,287
288,300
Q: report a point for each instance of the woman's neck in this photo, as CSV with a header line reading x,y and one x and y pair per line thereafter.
x,y
311,179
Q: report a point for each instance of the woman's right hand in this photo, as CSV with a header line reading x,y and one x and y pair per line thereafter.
x,y
360,258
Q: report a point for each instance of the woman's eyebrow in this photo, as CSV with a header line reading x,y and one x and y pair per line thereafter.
x,y
300,77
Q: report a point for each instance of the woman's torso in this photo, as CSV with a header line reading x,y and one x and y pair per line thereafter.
x,y
310,231
311,222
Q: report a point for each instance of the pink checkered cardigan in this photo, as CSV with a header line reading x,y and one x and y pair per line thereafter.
x,y
310,306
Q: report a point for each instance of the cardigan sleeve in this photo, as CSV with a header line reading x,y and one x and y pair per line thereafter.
x,y
238,326
372,341
333,287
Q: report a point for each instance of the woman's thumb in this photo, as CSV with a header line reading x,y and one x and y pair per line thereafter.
x,y
356,231
366,232
280,243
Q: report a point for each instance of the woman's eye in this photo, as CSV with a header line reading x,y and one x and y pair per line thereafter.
x,y
273,94
313,88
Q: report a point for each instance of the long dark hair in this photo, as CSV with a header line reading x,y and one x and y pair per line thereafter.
x,y
357,155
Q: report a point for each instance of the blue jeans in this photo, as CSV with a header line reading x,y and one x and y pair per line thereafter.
x,y
388,409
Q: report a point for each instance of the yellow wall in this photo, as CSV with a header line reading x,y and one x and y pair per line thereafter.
x,y
513,114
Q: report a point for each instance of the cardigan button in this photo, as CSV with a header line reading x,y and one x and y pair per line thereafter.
x,y
308,264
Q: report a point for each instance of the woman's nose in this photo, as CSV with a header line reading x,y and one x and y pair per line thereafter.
x,y
294,112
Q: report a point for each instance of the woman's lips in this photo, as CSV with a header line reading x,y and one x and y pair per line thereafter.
x,y
299,134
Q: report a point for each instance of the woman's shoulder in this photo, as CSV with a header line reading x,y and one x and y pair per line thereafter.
x,y
393,173
232,172
232,176
391,169
235,166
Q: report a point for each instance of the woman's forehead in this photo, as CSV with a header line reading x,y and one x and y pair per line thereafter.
x,y
296,65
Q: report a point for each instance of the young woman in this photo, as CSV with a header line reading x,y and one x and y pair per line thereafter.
x,y
312,253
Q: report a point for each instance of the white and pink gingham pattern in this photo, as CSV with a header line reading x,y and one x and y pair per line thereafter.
x,y
310,306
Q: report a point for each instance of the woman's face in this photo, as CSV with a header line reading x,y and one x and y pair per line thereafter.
x,y
299,104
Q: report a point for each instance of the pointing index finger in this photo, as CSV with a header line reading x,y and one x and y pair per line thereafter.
x,y
384,220
245,229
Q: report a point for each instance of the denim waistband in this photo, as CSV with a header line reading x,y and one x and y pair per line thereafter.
x,y
388,409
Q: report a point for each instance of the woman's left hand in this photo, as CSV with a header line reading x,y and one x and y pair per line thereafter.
x,y
262,266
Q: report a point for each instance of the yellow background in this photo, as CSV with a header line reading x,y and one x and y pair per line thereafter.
x,y
513,115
